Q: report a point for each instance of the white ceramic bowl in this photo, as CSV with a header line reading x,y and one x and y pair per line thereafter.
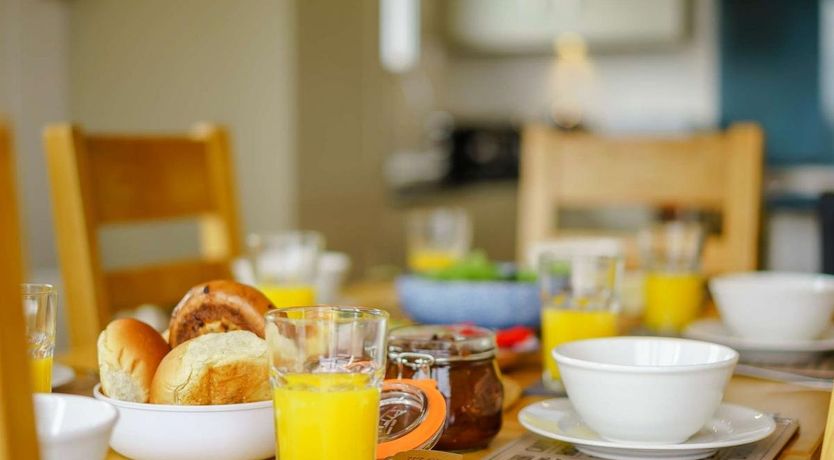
x,y
170,432
73,427
774,306
645,389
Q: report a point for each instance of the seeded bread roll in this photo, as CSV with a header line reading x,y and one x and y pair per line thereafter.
x,y
214,368
218,306
129,352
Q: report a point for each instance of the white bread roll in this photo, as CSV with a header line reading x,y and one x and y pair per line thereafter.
x,y
129,352
214,368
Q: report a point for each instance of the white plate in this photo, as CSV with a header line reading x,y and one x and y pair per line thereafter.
x,y
761,351
731,426
61,375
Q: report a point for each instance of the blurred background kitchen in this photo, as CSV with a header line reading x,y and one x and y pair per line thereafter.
x,y
345,116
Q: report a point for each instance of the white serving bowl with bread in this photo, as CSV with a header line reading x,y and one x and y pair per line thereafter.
x,y
775,306
645,389
178,432
73,427
203,391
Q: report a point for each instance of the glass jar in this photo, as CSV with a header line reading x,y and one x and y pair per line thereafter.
x,y
461,359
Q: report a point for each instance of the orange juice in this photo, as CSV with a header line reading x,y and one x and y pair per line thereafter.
x,y
673,300
424,260
560,326
41,374
323,416
289,295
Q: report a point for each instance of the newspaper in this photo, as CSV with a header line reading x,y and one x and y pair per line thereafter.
x,y
533,447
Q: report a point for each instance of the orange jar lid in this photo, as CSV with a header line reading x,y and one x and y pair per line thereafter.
x,y
412,414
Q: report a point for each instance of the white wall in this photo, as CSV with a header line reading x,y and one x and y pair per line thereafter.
x,y
157,65
33,91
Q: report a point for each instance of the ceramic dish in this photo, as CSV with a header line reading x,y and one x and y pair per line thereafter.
x,y
732,425
645,389
762,352
61,375
169,432
73,427
775,306
492,304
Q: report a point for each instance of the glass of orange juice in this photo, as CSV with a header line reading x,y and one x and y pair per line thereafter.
x,y
327,368
436,238
580,300
285,266
674,289
39,304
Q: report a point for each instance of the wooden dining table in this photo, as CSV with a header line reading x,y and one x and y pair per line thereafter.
x,y
809,406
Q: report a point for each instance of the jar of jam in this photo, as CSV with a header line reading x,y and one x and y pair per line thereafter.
x,y
461,359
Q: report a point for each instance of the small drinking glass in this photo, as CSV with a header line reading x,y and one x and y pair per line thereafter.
x,y
39,304
580,300
285,266
674,291
437,238
326,367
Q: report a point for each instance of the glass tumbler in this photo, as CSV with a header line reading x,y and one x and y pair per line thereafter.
x,y
674,290
285,266
39,304
437,238
327,368
579,301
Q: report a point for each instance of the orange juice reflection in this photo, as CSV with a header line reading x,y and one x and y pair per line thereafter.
x,y
425,260
324,416
289,295
673,300
41,369
561,326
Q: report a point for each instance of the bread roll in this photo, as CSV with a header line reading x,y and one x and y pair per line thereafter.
x,y
218,306
216,368
129,352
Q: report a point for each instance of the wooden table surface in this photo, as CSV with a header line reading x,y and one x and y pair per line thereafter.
x,y
809,406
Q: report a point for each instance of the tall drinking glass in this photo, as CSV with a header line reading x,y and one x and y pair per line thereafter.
x,y
39,304
327,367
671,255
437,238
285,266
579,301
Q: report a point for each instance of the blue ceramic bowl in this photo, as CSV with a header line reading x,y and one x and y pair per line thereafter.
x,y
492,304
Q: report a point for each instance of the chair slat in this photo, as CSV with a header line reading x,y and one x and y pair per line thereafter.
x,y
163,285
140,179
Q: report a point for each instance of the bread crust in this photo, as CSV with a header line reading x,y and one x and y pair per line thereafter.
x,y
129,352
215,368
218,306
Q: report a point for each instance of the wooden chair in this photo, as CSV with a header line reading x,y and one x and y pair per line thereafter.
x,y
719,172
17,422
101,179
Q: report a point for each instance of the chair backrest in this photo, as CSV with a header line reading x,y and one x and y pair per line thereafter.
x,y
719,172
101,179
17,422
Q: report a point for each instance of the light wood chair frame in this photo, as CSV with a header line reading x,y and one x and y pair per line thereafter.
x,y
717,171
17,421
101,179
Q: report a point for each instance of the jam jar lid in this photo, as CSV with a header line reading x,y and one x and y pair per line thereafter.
x,y
412,414
445,343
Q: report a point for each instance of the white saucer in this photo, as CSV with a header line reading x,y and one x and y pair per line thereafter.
x,y
61,375
731,426
762,351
